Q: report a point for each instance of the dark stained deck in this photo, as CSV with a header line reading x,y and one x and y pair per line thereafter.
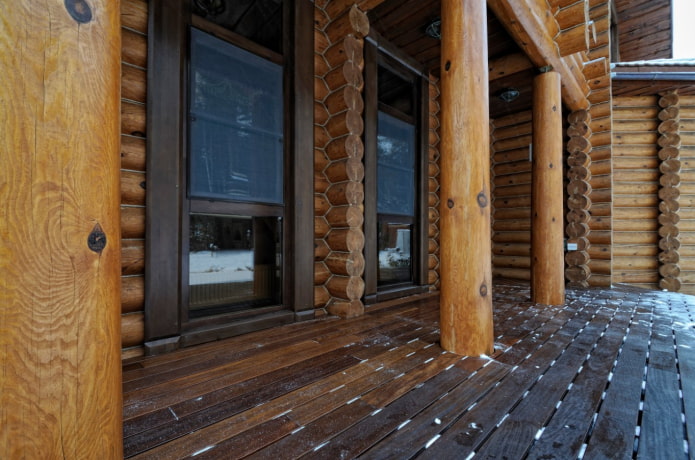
x,y
611,374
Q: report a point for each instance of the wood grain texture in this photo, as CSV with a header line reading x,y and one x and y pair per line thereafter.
x,y
466,272
547,274
60,244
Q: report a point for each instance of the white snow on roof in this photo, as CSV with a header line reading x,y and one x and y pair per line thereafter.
x,y
657,63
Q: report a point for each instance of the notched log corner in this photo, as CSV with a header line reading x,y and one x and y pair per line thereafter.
x,y
96,241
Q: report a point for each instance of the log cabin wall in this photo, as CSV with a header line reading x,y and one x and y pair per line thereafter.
x,y
339,171
134,20
597,75
687,194
433,184
511,196
654,231
636,188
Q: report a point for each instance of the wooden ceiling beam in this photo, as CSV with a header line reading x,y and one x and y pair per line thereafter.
x,y
532,26
508,65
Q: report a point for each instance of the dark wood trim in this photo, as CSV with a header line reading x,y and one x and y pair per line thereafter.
x,y
395,113
164,127
239,208
216,331
300,254
421,268
402,65
371,108
376,39
236,39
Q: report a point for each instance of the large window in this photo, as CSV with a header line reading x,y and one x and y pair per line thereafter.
x,y
235,155
394,178
229,241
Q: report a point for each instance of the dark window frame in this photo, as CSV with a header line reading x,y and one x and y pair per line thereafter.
x,y
167,202
379,52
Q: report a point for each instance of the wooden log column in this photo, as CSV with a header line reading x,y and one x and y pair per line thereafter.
x,y
59,225
466,273
547,261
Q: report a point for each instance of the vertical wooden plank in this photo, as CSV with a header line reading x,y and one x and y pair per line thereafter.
x,y
466,272
547,261
301,252
164,144
60,243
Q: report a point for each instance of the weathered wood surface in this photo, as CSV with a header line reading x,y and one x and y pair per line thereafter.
x,y
60,244
547,245
562,380
466,273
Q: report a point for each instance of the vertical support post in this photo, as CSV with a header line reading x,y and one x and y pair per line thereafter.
x,y
547,251
466,266
60,230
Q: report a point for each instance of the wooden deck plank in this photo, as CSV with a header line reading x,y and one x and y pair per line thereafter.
x,y
564,435
613,433
515,434
661,430
379,386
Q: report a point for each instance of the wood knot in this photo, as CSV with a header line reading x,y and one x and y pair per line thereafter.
x,y
447,66
482,199
96,241
143,185
483,290
450,203
79,10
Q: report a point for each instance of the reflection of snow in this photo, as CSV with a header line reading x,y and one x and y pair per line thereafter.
x,y
393,257
208,267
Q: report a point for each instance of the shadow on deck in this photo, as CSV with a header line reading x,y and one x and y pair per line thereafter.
x,y
611,374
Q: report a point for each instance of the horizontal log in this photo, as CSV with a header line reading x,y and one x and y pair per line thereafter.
x,y
512,168
634,113
511,273
345,123
635,101
513,131
638,238
512,202
345,216
345,147
600,267
346,287
352,21
511,249
321,249
133,48
132,222
511,225
321,227
636,175
670,284
600,251
596,68
512,143
346,193
635,263
345,263
508,65
132,257
513,119
511,262
600,223
572,15
574,40
321,296
133,119
512,213
600,237
347,73
650,213
133,153
134,15
346,98
512,237
132,329
321,89
636,277
133,83
635,225
133,185
321,273
636,163
646,138
433,278
345,239
511,156
432,261
132,294
512,190
321,115
635,250
345,169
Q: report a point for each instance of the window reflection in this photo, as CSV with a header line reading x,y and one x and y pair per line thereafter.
x,y
234,261
395,256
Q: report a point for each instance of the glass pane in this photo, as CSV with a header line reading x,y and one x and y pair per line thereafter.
x,y
234,261
395,91
395,258
395,166
236,123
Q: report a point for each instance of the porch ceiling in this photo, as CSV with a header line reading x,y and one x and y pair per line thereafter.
x,y
404,23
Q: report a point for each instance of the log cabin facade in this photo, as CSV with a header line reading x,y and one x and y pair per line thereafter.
x,y
353,116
